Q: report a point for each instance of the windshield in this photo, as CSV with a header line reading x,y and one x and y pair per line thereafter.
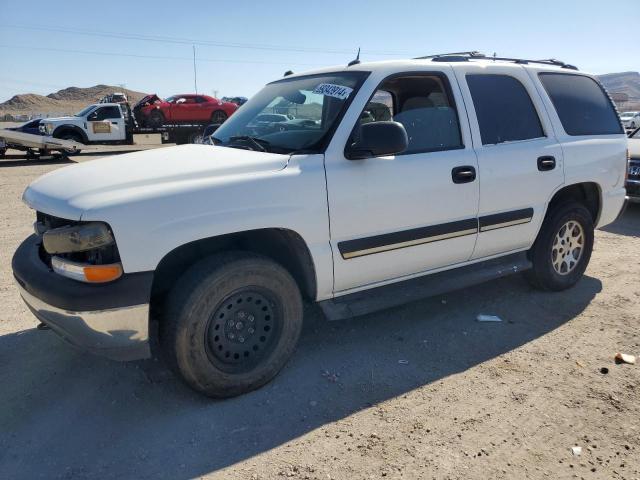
x,y
85,111
292,114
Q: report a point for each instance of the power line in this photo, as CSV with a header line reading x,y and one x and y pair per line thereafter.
x,y
152,57
191,41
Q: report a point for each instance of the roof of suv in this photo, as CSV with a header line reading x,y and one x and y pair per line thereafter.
x,y
451,60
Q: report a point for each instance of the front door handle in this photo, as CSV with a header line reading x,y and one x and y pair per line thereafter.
x,y
463,174
546,163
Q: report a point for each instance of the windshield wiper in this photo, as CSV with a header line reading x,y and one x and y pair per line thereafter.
x,y
256,142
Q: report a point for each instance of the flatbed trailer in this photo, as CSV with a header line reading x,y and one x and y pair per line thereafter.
x,y
31,143
173,133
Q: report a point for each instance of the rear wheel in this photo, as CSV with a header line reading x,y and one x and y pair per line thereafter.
x,y
232,322
218,117
155,119
561,252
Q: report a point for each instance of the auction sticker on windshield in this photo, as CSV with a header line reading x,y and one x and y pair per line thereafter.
x,y
331,90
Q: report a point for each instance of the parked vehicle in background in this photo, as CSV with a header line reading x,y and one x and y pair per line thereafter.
x,y
97,123
115,97
32,127
472,168
237,100
630,119
153,112
272,118
633,176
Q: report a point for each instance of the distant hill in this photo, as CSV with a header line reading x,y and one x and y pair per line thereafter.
x,y
66,101
624,87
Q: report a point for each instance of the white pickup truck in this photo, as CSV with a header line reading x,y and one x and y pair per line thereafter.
x,y
97,123
413,178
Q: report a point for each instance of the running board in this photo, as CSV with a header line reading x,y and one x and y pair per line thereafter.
x,y
395,294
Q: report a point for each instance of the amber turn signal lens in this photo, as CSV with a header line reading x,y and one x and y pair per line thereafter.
x,y
102,273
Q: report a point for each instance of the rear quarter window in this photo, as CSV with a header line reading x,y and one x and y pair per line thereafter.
x,y
582,104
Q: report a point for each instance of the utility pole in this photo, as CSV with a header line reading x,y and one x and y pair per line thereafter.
x,y
195,73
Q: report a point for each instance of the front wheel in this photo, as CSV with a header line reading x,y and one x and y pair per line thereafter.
x,y
561,252
155,119
218,117
74,137
232,322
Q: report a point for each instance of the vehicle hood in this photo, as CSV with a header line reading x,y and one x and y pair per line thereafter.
x,y
125,179
61,119
147,98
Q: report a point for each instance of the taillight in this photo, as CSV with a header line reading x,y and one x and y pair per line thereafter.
x,y
626,170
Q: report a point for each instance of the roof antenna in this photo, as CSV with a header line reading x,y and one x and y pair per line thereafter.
x,y
356,61
288,72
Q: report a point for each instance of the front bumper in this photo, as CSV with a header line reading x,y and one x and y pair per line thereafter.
x,y
109,319
633,190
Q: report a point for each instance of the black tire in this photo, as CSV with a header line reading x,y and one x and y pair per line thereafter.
x,y
544,275
155,119
74,137
196,138
3,152
218,117
209,310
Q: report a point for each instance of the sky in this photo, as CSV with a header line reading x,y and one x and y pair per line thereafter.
x,y
241,45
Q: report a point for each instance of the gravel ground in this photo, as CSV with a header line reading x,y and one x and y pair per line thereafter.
x,y
422,391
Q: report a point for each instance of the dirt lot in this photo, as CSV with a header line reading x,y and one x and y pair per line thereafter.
x,y
422,391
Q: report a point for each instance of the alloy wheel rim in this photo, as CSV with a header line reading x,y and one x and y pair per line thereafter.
x,y
568,247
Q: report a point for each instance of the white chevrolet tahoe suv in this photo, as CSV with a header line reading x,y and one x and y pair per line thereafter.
x,y
463,169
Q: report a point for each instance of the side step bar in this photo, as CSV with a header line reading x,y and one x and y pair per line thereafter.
x,y
395,294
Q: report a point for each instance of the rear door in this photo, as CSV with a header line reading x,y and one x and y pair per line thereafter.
x,y
519,158
106,124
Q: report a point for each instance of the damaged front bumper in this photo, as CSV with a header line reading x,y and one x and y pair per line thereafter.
x,y
110,319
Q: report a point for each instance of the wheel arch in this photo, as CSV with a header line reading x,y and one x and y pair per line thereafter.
x,y
283,246
70,128
587,193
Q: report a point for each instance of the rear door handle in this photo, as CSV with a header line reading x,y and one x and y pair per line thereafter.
x,y
546,163
464,174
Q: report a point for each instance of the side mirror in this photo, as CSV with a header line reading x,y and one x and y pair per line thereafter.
x,y
377,139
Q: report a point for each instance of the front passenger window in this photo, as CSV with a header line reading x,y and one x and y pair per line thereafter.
x,y
423,105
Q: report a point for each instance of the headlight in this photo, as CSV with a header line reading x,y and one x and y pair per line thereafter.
x,y
77,238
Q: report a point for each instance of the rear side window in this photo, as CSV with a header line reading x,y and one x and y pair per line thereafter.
x,y
504,109
582,104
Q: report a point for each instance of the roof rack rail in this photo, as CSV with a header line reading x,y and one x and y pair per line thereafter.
x,y
466,56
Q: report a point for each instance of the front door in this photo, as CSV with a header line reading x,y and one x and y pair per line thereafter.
x,y
106,124
396,216
519,157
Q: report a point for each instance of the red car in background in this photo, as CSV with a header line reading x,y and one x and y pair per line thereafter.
x,y
154,112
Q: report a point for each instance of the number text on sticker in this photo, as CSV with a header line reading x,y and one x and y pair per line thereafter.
x,y
331,90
